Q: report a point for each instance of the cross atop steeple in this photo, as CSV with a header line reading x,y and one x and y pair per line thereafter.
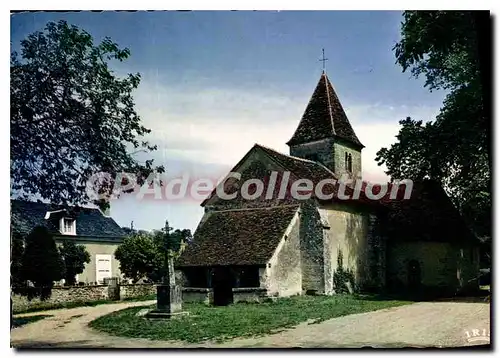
x,y
323,59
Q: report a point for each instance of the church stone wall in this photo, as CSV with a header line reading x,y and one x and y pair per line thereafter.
x,y
323,149
339,151
327,262
347,236
312,249
283,277
377,247
444,267
330,153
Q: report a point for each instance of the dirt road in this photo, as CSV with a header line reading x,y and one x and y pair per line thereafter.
x,y
441,324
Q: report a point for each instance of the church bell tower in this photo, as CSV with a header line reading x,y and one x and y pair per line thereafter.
x,y
325,135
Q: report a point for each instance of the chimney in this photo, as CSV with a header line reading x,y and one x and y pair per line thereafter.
x,y
107,211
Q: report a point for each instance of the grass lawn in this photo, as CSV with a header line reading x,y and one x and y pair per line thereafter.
x,y
238,320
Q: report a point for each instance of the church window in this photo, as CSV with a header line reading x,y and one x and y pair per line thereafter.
x,y
348,162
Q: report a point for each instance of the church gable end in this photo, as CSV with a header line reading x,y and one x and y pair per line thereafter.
x,y
256,164
259,163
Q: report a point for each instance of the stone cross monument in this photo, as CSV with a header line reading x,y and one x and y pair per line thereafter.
x,y
168,294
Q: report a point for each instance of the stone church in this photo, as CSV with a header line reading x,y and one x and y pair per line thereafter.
x,y
281,246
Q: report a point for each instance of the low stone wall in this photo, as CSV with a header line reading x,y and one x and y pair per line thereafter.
x,y
195,294
66,295
138,290
61,295
206,295
249,294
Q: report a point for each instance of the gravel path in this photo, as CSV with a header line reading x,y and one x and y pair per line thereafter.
x,y
442,324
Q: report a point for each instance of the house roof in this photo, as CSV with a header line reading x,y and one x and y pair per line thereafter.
x,y
90,222
324,117
238,237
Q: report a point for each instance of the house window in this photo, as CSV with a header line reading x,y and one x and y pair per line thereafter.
x,y
68,226
349,163
103,268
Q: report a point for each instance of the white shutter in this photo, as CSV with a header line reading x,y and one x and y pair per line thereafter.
x,y
102,267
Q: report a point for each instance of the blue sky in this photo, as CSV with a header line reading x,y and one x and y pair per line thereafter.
x,y
214,83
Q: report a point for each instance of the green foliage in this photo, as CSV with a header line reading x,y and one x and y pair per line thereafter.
x,y
41,263
206,323
143,253
174,240
343,276
454,149
442,45
16,260
138,257
74,257
71,116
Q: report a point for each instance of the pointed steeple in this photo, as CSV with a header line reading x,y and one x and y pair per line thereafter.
x,y
324,117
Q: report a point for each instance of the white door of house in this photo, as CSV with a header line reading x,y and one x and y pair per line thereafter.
x,y
103,267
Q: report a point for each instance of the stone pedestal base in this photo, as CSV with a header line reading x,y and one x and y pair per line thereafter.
x,y
168,298
168,303
161,314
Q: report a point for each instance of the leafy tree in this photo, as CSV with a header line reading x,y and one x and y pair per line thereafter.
x,y
454,149
72,117
138,256
41,263
74,257
16,260
142,254
175,239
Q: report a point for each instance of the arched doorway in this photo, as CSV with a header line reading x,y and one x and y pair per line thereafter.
x,y
414,276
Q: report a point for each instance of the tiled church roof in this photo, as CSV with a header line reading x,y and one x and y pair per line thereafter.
x,y
427,214
238,237
324,117
298,167
315,171
302,168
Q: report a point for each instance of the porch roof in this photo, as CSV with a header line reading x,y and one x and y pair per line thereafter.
x,y
238,237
